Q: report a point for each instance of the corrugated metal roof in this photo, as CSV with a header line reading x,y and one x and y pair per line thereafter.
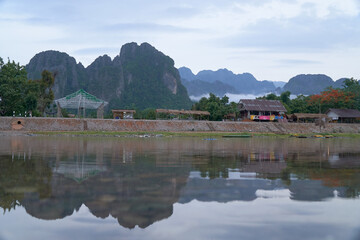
x,y
261,105
80,99
345,113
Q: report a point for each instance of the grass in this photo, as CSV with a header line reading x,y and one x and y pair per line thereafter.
x,y
165,134
185,134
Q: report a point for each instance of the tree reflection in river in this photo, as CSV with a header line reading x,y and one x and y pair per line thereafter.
x,y
137,181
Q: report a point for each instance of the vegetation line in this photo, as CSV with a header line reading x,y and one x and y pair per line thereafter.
x,y
183,134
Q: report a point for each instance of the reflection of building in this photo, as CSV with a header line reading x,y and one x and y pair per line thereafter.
x,y
135,193
137,181
226,190
79,170
246,188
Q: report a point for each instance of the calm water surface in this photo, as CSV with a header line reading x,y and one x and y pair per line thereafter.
x,y
179,188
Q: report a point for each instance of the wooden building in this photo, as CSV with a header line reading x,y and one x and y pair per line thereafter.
x,y
123,114
344,115
307,117
261,110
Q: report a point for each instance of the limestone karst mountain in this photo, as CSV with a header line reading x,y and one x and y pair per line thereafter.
x,y
139,77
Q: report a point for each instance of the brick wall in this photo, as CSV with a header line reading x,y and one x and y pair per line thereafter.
x,y
73,124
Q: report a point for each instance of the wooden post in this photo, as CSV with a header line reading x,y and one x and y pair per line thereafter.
x,y
59,114
100,111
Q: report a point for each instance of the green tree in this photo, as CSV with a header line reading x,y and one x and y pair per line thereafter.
x,y
18,95
285,97
149,113
299,104
353,86
45,94
217,107
271,96
12,88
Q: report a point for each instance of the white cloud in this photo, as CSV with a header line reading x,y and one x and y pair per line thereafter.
x,y
243,36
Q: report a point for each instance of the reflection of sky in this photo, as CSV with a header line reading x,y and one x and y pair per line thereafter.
x,y
244,204
278,218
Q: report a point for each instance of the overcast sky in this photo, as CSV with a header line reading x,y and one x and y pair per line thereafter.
x,y
272,39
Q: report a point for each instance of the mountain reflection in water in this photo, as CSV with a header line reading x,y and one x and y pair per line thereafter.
x,y
137,181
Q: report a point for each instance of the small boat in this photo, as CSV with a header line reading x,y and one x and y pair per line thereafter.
x,y
237,136
318,136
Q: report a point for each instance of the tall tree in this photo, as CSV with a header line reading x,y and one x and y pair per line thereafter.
x,y
332,98
217,107
19,95
353,86
12,88
46,95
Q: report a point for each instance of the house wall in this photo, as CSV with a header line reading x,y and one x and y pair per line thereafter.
x,y
333,116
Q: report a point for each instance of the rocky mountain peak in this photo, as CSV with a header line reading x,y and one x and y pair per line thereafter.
x,y
140,76
101,61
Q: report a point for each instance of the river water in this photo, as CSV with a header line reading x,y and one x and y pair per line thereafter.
x,y
179,188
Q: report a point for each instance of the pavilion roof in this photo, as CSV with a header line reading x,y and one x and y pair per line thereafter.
x,y
80,99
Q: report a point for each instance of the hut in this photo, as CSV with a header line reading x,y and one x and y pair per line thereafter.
x,y
261,110
307,117
123,114
344,115
81,100
181,114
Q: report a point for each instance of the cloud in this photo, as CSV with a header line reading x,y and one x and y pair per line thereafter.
x,y
243,35
283,9
297,62
181,12
297,36
95,50
148,27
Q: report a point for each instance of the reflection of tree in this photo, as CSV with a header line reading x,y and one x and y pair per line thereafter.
x,y
266,165
138,193
339,176
216,166
18,177
138,181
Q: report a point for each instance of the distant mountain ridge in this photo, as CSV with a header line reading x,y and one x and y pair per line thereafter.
x,y
221,79
224,81
139,77
143,77
308,84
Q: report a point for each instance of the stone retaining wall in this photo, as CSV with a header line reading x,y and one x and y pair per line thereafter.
x,y
72,124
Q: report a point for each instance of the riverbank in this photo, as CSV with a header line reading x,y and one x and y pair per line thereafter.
x,y
166,127
171,134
